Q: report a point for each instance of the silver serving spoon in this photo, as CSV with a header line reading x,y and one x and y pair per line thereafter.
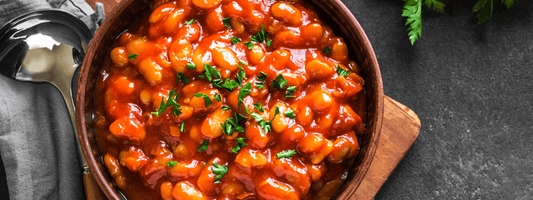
x,y
46,46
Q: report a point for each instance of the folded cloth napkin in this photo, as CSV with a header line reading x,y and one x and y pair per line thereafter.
x,y
38,158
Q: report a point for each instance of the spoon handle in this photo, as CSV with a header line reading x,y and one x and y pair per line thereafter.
x,y
63,84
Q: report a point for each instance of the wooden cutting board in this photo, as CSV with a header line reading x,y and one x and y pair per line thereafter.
x,y
400,129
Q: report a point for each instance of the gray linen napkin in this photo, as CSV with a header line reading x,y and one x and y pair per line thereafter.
x,y
37,144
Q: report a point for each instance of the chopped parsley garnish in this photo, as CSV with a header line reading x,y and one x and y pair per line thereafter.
x,y
290,91
341,71
172,163
224,107
235,40
242,62
232,124
269,42
211,73
261,78
259,107
171,102
245,90
226,22
286,154
219,170
190,65
189,22
326,50
182,126
217,97
207,100
203,146
279,82
265,125
229,85
132,56
289,113
181,77
240,144
249,44
201,76
260,36
241,75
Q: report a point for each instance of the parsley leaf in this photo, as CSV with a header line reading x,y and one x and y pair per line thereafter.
x,y
183,78
265,125
260,36
341,71
249,44
229,85
203,146
286,154
217,97
219,170
279,82
242,62
245,90
132,56
269,42
170,102
190,65
235,40
484,10
326,50
259,107
241,75
226,22
412,9
189,22
290,91
224,107
182,127
240,144
211,73
290,114
261,78
207,100
172,163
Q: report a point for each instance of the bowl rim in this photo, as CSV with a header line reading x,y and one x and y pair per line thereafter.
x,y
95,44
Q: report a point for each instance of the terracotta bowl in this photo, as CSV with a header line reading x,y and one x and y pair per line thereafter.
x,y
332,12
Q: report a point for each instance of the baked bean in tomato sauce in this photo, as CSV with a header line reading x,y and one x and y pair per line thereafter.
x,y
229,99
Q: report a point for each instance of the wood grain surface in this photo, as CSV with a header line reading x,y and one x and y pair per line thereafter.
x,y
400,129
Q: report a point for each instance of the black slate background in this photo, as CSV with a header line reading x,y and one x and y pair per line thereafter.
x,y
471,86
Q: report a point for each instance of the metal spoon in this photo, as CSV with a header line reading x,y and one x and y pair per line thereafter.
x,y
46,46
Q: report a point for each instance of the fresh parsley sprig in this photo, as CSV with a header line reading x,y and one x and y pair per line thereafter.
x,y
261,80
412,9
245,90
206,98
286,154
265,125
176,111
240,144
204,146
219,170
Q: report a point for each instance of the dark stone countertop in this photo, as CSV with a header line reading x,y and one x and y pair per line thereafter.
x,y
472,87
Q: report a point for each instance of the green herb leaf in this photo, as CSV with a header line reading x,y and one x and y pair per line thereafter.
x,y
484,10
341,71
326,50
259,107
269,42
249,44
412,9
229,85
224,107
172,163
226,22
190,65
206,98
235,40
132,56
241,75
202,76
176,111
219,170
189,22
257,117
261,78
290,92
217,97
245,90
286,154
240,144
211,73
184,79
182,126
290,114
279,82
204,146
242,62
260,36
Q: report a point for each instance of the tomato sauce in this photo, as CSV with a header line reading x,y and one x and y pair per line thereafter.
x,y
229,99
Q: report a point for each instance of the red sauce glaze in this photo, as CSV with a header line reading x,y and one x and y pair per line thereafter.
x,y
160,156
